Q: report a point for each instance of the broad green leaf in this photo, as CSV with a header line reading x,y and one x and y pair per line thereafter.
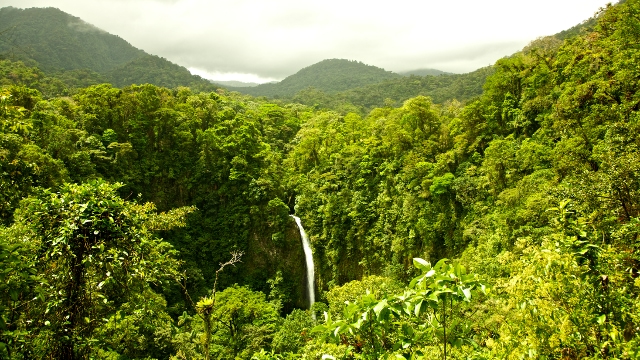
x,y
417,308
381,306
441,263
421,264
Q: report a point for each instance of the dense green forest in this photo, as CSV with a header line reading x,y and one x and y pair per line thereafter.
x,y
145,222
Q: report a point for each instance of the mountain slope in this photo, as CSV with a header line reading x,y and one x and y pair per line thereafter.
x,y
440,88
58,43
331,75
158,71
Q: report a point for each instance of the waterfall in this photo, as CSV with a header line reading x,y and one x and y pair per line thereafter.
x,y
306,246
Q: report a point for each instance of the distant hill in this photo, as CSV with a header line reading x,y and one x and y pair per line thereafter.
x,y
331,76
438,85
425,72
440,88
61,43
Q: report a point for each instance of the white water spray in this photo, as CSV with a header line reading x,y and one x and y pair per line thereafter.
x,y
308,255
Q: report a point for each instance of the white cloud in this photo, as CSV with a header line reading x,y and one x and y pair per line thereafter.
x,y
230,76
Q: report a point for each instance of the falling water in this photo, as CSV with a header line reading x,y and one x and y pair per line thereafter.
x,y
306,246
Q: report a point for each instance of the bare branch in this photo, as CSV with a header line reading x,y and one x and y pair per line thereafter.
x,y
236,257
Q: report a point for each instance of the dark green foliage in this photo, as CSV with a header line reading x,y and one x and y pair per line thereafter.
x,y
150,69
59,41
57,83
174,148
17,73
326,85
293,333
23,165
17,276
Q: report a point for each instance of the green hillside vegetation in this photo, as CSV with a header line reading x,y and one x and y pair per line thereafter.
x,y
582,28
56,83
59,41
441,88
330,76
424,72
79,54
150,69
152,223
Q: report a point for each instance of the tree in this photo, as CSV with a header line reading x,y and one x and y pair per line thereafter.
x,y
17,276
235,324
245,322
93,251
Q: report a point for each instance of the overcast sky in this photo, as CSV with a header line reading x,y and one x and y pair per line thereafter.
x,y
259,40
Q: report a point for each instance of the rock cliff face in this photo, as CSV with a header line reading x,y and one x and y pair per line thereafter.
x,y
279,256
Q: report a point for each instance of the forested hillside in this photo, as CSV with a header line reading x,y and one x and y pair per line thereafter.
x,y
54,84
64,46
441,88
424,72
150,223
150,69
59,41
331,75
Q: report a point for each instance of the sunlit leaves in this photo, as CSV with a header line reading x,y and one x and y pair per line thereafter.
x,y
407,321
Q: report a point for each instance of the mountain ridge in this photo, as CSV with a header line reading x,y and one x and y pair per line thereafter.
x,y
57,42
329,75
